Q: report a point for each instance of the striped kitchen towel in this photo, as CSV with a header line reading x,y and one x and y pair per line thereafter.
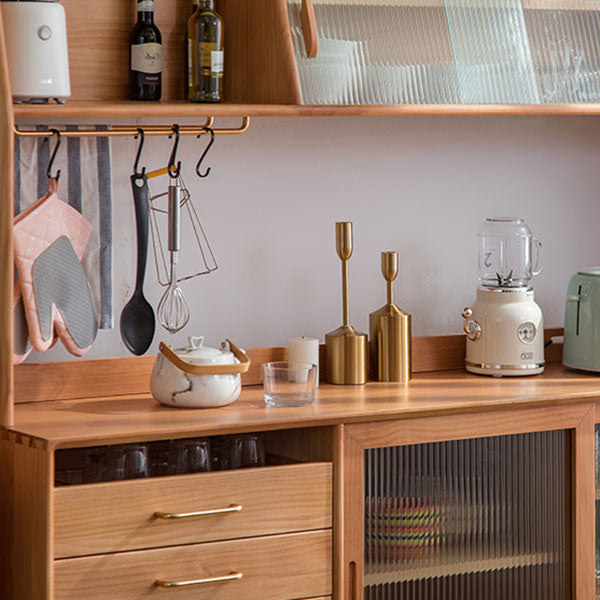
x,y
85,184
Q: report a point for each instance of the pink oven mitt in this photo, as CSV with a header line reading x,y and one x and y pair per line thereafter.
x,y
50,238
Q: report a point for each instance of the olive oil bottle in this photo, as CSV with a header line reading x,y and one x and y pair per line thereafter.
x,y
188,51
205,31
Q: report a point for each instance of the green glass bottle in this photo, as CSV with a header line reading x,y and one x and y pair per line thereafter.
x,y
205,30
188,51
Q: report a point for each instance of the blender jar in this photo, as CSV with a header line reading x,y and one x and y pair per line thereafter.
x,y
509,255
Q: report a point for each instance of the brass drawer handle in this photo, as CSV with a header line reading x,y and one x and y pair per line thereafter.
x,y
175,584
201,513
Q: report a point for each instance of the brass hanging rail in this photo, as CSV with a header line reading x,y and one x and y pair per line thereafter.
x,y
132,130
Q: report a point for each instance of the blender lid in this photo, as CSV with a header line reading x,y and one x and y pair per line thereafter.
x,y
590,271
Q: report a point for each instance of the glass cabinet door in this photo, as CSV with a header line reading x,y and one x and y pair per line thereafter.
x,y
597,463
486,518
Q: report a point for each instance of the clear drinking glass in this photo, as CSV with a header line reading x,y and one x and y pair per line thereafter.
x,y
509,255
127,461
190,456
243,451
289,383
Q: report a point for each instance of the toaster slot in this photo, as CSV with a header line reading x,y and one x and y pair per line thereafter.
x,y
578,310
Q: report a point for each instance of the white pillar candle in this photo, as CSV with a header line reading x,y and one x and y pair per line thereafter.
x,y
304,349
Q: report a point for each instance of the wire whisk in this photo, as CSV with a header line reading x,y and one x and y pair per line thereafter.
x,y
173,311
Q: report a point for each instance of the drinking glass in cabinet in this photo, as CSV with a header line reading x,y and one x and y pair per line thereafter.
x,y
243,451
190,456
128,461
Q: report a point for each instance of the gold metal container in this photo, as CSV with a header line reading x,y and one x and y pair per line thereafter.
x,y
390,332
346,348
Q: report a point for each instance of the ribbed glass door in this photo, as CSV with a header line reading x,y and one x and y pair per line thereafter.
x,y
485,518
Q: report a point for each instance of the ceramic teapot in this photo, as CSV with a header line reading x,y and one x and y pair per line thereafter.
x,y
198,376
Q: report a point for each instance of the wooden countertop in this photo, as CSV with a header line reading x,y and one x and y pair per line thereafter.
x,y
88,422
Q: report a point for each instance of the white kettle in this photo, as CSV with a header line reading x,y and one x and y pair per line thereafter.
x,y
35,34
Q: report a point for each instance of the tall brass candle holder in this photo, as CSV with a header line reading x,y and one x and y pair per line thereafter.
x,y
390,335
346,348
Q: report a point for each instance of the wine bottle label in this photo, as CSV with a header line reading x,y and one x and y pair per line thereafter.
x,y
145,6
216,62
146,58
190,58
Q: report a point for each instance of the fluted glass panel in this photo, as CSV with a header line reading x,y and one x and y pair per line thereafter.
x,y
382,52
469,519
565,45
450,52
491,51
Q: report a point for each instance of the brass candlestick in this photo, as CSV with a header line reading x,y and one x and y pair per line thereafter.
x,y
391,352
347,350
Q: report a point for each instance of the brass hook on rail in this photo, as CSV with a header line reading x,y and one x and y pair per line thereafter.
x,y
137,173
212,141
173,167
56,132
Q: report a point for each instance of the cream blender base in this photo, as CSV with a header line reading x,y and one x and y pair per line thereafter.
x,y
506,328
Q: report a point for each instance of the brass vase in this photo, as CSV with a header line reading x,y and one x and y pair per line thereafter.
x,y
346,348
390,332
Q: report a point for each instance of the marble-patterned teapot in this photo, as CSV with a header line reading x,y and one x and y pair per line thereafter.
x,y
198,376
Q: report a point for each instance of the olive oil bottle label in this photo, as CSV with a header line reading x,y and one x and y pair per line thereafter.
x,y
146,58
216,63
211,58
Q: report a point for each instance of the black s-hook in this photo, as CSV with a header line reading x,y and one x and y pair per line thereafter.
x,y
174,168
56,132
199,163
139,174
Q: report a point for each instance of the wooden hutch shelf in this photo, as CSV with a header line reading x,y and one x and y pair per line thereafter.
x,y
98,109
438,396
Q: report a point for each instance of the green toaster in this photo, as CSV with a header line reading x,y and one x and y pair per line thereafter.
x,y
581,348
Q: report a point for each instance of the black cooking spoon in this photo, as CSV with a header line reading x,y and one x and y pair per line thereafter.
x,y
137,318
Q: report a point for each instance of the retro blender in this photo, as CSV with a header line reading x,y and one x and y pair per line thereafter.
x,y
505,327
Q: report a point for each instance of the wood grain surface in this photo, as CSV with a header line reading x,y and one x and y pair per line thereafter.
x,y
117,109
117,516
584,508
294,565
88,422
6,251
26,475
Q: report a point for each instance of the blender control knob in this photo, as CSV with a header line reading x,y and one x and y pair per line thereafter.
x,y
471,327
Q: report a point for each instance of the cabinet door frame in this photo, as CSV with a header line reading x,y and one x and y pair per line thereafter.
x,y
353,439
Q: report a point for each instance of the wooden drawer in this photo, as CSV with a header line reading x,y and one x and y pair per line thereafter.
x,y
280,567
117,516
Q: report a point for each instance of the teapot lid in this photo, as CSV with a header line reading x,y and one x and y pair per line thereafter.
x,y
199,354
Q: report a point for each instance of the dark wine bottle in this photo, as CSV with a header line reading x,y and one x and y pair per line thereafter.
x,y
145,58
206,32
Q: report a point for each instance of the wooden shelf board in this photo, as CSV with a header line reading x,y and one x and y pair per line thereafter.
x,y
98,109
465,565
91,421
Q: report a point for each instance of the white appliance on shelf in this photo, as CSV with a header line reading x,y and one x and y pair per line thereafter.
x,y
505,326
36,48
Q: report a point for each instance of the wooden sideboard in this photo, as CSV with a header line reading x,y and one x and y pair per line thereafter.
x,y
301,532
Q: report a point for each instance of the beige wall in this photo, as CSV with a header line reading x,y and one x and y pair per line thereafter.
x,y
417,185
